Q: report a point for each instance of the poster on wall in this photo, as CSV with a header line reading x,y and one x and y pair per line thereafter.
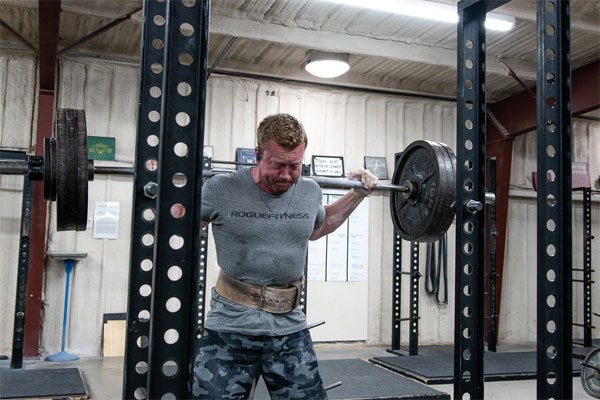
x,y
317,256
106,220
341,256
358,243
337,250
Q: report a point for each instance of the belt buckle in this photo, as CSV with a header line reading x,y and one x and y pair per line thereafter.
x,y
299,286
262,297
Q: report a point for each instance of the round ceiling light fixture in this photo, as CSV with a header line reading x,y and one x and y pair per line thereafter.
x,y
325,64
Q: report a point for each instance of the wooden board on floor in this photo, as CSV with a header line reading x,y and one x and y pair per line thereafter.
x,y
113,344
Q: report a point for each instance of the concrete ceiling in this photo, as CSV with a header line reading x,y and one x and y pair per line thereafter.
x,y
272,37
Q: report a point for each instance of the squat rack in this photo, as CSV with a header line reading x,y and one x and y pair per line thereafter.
x,y
554,296
168,252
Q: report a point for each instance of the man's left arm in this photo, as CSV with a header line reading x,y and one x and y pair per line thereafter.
x,y
337,212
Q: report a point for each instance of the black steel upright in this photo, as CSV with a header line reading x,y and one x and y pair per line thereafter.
x,y
470,191
396,292
166,304
16,358
554,203
492,277
415,275
135,371
587,267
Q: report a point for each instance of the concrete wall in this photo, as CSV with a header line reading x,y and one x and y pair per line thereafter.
x,y
350,124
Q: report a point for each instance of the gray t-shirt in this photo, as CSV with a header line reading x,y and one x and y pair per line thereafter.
x,y
260,239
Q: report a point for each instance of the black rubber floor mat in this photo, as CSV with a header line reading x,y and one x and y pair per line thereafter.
x,y
438,369
53,382
363,380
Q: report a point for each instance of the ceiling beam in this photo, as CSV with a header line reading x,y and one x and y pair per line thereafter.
x,y
49,20
355,44
518,113
518,11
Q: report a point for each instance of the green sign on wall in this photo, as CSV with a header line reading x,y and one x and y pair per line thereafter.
x,y
101,148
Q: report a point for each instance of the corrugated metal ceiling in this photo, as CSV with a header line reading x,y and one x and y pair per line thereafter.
x,y
387,52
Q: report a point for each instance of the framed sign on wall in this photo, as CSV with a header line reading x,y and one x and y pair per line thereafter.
x,y
332,166
377,166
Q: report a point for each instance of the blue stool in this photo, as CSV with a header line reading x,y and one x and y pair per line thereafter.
x,y
69,263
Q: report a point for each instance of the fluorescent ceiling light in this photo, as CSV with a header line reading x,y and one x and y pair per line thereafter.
x,y
428,10
327,65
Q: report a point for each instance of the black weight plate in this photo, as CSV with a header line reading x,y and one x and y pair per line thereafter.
x,y
50,169
66,190
82,172
427,212
62,201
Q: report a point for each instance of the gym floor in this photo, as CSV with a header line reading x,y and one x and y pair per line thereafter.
x,y
103,376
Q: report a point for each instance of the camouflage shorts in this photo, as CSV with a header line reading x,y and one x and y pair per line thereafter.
x,y
227,365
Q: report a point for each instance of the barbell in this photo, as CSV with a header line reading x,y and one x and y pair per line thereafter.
x,y
422,199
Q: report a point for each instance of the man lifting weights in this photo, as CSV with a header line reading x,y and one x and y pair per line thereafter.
x,y
262,218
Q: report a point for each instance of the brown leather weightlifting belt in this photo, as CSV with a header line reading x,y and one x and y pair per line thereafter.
x,y
274,299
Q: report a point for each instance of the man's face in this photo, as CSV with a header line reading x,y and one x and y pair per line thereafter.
x,y
279,168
